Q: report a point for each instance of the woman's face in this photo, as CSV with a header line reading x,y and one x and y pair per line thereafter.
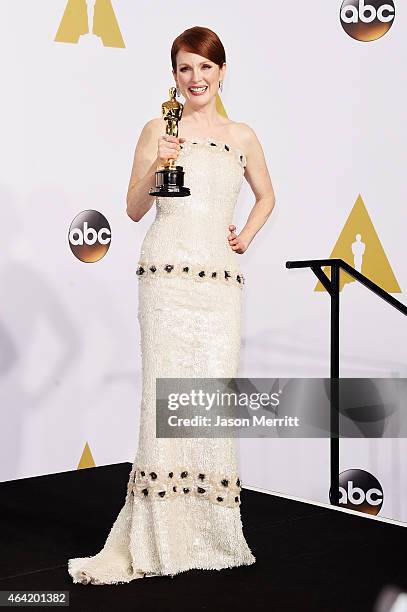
x,y
197,77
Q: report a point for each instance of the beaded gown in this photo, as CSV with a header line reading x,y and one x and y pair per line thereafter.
x,y
182,507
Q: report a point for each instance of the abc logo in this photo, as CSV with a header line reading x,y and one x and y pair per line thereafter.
x,y
89,236
367,20
360,490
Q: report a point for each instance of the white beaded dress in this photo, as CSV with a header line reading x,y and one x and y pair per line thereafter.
x,y
182,508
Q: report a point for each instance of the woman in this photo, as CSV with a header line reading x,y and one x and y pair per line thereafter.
x,y
182,505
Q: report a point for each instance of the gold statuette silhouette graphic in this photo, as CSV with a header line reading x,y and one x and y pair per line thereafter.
x,y
91,23
360,246
169,180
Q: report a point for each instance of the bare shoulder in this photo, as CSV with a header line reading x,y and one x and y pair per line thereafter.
x,y
147,141
157,123
146,149
152,128
245,137
256,171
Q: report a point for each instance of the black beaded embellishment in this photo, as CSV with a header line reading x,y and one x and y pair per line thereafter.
x,y
192,271
224,147
164,485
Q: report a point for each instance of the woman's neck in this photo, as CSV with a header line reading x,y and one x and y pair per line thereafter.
x,y
204,119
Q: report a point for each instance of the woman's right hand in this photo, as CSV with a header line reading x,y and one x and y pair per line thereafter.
x,y
168,148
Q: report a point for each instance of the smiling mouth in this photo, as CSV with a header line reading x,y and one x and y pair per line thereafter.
x,y
197,91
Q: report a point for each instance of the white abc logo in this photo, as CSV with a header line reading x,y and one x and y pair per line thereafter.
x,y
367,13
89,235
357,496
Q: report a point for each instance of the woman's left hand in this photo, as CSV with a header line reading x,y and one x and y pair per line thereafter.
x,y
237,243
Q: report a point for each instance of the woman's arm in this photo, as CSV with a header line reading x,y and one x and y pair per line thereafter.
x,y
257,175
143,172
152,151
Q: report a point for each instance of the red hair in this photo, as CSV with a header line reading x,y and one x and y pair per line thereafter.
x,y
201,41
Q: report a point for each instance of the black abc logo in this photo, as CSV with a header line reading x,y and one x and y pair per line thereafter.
x,y
89,236
367,20
360,490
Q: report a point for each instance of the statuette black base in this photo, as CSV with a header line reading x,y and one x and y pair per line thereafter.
x,y
169,183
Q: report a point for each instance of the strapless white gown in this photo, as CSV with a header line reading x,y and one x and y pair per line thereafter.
x,y
182,508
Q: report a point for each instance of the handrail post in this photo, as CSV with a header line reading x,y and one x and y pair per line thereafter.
x,y
334,385
332,287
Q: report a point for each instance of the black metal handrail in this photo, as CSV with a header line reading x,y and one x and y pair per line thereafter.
x,y
332,286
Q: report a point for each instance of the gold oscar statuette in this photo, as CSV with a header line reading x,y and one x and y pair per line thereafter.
x,y
169,180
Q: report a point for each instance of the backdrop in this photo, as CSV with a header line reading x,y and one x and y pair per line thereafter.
x,y
79,83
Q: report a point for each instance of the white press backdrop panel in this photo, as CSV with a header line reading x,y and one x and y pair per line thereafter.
x,y
330,114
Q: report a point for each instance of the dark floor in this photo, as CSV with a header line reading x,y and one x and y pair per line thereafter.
x,y
308,558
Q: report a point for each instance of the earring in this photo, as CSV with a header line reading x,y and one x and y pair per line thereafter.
x,y
178,92
221,85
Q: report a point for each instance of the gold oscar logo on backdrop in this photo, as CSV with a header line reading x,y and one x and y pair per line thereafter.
x,y
89,236
359,245
90,22
367,20
219,107
86,460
